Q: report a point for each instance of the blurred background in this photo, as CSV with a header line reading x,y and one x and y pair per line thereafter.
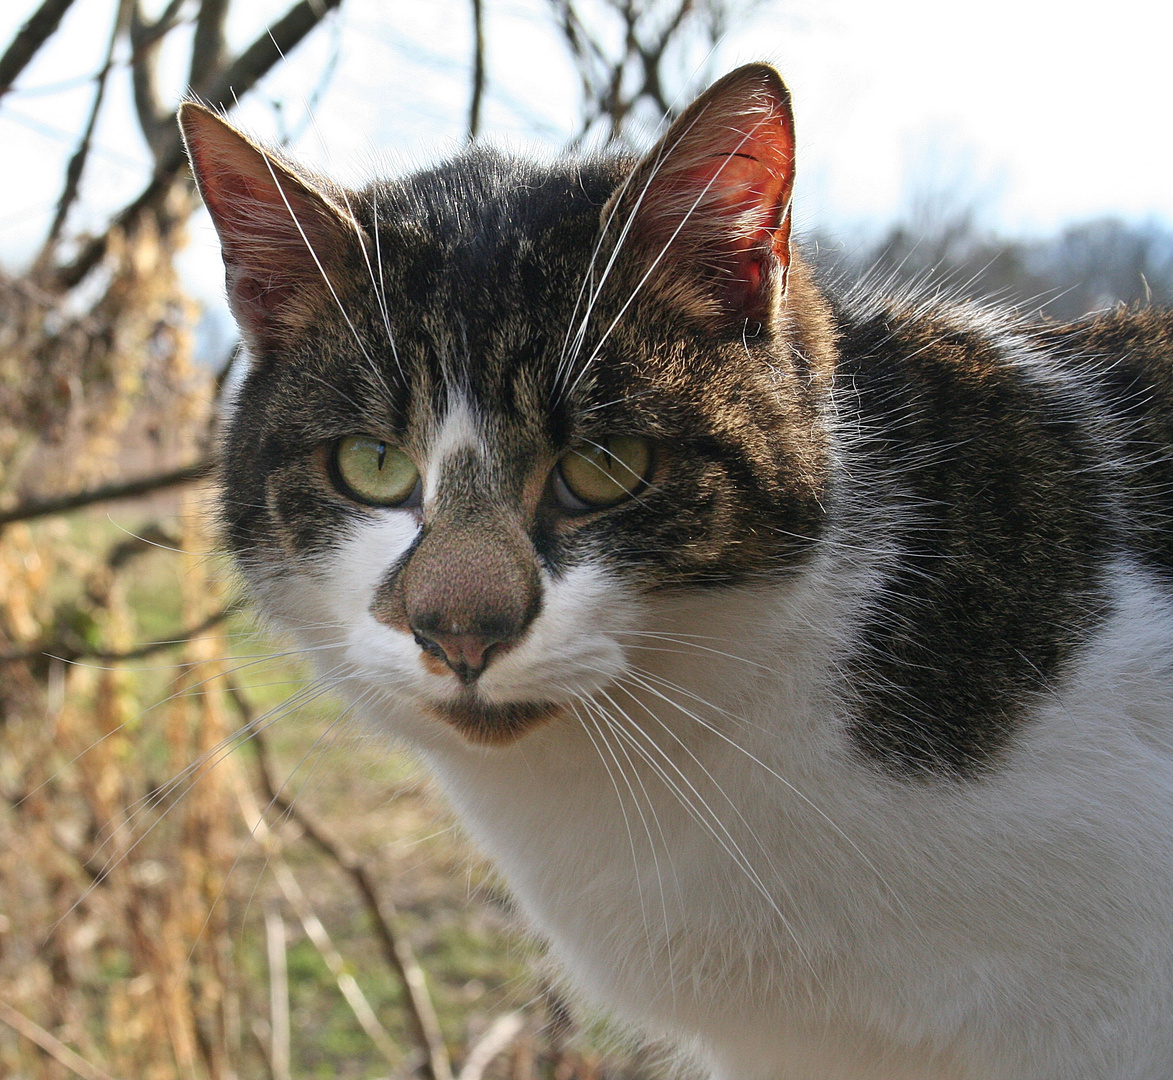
x,y
206,871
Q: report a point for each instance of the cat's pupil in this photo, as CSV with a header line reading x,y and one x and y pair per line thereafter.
x,y
370,471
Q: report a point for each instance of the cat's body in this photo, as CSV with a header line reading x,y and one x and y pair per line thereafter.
x,y
836,743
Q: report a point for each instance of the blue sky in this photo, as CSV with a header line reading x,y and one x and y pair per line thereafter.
x,y
1039,112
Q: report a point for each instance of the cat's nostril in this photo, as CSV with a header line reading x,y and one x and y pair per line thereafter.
x,y
466,654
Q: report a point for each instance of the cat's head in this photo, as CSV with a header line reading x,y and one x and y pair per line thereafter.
x,y
496,408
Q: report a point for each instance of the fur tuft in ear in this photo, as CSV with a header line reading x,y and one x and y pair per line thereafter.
x,y
710,205
283,237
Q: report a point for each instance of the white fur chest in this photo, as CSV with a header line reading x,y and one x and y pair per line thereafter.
x,y
707,856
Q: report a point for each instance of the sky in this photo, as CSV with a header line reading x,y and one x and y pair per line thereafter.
x,y
1039,113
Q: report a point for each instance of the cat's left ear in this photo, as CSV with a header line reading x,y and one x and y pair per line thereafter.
x,y
285,237
709,207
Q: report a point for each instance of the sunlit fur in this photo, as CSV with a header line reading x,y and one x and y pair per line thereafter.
x,y
860,760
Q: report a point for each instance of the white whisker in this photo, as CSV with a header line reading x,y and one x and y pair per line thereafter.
x,y
635,772
712,822
622,809
646,680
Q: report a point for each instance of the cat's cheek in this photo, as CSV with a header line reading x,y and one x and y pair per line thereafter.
x,y
346,584
573,648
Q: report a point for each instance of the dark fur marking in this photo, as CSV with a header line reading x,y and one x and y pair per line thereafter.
x,y
1000,580
497,725
1128,357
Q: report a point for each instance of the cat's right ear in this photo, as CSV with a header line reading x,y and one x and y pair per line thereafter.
x,y
709,207
283,238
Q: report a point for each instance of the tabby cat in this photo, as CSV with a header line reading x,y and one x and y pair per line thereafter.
x,y
804,660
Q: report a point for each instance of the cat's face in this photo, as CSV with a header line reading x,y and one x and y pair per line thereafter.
x,y
495,410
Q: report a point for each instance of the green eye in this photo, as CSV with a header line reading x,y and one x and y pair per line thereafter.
x,y
606,471
373,471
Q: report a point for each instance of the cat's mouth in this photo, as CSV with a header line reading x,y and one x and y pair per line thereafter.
x,y
494,725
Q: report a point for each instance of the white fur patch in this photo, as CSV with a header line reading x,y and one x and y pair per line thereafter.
x,y
707,855
573,646
458,431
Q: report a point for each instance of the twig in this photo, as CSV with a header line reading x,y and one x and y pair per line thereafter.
x,y
278,995
144,539
604,73
396,949
478,69
208,45
41,26
259,1030
95,250
72,651
52,1046
270,47
500,1036
150,33
347,983
126,489
146,38
315,931
77,163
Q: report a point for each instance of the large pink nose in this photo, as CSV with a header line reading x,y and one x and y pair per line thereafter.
x,y
467,592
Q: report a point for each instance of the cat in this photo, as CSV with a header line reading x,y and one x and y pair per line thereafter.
x,y
803,657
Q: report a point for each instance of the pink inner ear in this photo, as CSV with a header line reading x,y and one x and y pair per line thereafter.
x,y
717,204
743,194
268,259
274,228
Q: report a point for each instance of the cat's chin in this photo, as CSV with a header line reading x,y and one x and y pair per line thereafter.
x,y
489,724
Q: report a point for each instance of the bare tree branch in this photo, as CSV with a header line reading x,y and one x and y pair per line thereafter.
x,y
478,69
396,949
52,1046
652,57
142,541
501,1035
41,26
258,829
270,47
73,651
146,38
616,81
278,994
126,489
77,163
168,20
222,92
347,983
94,251
209,48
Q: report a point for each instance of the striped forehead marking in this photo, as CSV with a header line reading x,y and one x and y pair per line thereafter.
x,y
458,432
